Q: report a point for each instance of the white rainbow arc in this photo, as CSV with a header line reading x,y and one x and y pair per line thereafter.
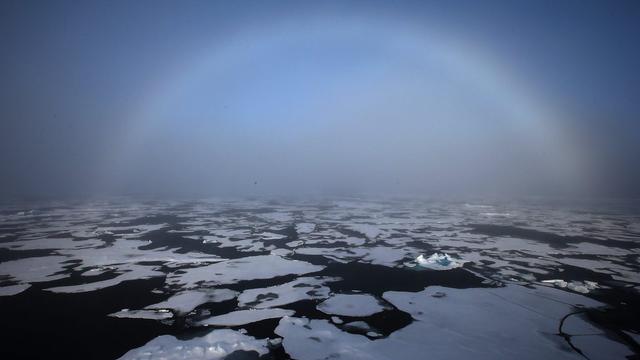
x,y
531,116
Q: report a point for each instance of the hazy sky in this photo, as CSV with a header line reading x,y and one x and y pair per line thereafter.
x,y
266,97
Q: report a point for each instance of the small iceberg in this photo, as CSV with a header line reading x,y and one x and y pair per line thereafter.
x,y
439,261
583,287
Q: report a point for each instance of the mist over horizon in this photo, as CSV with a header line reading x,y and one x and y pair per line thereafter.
x,y
332,98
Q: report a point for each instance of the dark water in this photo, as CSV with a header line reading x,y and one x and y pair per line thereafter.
x,y
65,267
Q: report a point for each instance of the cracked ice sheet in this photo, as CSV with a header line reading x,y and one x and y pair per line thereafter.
x,y
501,323
303,288
243,317
217,344
184,302
247,268
351,305
485,320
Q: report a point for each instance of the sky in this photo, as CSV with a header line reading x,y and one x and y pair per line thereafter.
x,y
319,97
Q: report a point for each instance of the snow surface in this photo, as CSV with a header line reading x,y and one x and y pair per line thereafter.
x,y
439,261
217,344
184,302
484,320
242,317
143,314
351,305
303,288
247,268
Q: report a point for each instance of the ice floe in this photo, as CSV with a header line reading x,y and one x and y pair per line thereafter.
x,y
10,290
583,287
351,305
184,302
305,228
143,314
502,323
319,339
247,268
217,344
131,272
34,269
242,317
303,288
439,261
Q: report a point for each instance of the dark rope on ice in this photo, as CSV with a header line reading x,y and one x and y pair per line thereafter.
x,y
566,336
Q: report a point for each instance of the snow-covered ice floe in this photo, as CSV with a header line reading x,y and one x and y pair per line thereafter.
x,y
143,314
497,323
351,305
242,317
583,287
217,344
439,261
184,302
303,288
247,268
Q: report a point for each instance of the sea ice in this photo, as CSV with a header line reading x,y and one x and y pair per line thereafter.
x,y
351,305
247,268
217,344
143,314
302,288
319,339
305,228
439,261
13,289
34,269
242,317
131,272
184,302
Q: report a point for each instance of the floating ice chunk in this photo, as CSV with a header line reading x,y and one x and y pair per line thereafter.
x,y
271,236
186,301
34,269
53,244
385,256
519,316
305,228
143,314
370,231
439,261
351,305
132,272
577,286
217,344
582,287
336,320
319,339
303,288
13,289
295,243
248,268
242,317
281,252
